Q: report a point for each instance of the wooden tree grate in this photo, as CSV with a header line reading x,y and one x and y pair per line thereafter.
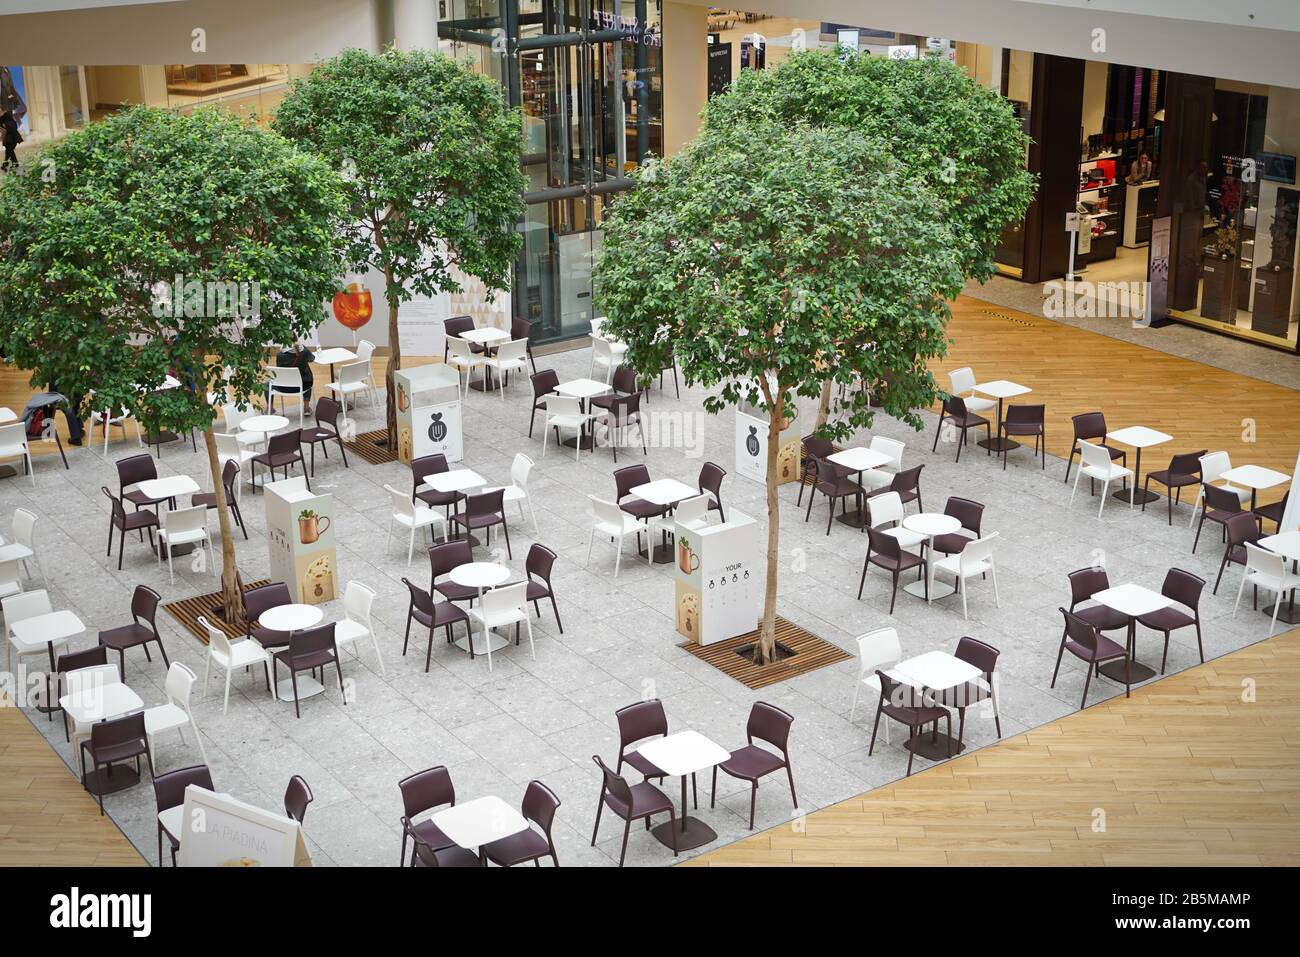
x,y
811,653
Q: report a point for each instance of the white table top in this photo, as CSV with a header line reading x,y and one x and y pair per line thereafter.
x,y
471,824
1138,436
1131,599
453,480
1287,544
484,335
859,459
664,492
931,524
1002,389
291,617
1254,476
264,423
168,487
335,355
100,702
42,629
583,388
479,574
683,753
936,670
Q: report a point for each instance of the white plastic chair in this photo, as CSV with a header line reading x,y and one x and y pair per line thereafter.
x,y
877,650
24,544
1095,462
873,479
412,515
689,511
13,444
972,561
81,683
608,354
353,378
282,382
176,713
511,356
358,599
461,357
365,351
610,521
233,415
517,490
184,526
108,419
18,608
963,384
1212,468
564,412
501,607
887,510
232,655
1267,570
11,577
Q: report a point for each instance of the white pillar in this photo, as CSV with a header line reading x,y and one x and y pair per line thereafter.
x,y
415,24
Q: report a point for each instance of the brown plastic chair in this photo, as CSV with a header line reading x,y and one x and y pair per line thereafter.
x,y
421,469
1091,427
624,383
1220,505
483,511
1086,582
670,362
539,807
425,855
258,601
296,798
442,559
138,521
431,615
834,482
424,791
907,484
768,724
1022,421
1184,588
47,699
632,803
955,414
229,476
1184,470
455,327
1240,529
710,482
636,723
169,792
1085,642
112,741
909,707
309,649
815,450
133,470
984,657
628,478
327,413
282,451
970,514
624,411
1273,511
884,551
538,566
544,384
142,630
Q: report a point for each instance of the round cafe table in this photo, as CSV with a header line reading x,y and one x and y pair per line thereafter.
x,y
290,618
931,525
264,423
480,576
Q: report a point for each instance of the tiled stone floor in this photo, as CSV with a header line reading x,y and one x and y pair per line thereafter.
x,y
544,718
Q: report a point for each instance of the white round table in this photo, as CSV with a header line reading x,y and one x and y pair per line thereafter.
x,y
264,423
481,576
930,524
293,618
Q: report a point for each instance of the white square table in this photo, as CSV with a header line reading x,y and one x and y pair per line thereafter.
x,y
49,629
1138,437
480,576
475,824
288,618
858,460
935,671
663,492
582,390
1254,477
169,488
454,480
334,356
931,525
1286,544
104,702
682,755
1132,600
1001,390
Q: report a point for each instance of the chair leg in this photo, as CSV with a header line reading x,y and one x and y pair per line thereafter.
x,y
753,802
627,828
1086,681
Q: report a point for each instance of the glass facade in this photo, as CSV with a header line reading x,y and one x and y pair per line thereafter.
x,y
587,75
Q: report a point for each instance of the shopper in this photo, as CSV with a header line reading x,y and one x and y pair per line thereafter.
x,y
1140,171
11,138
301,357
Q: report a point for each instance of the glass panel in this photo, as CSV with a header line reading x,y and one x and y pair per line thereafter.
x,y
1018,87
74,105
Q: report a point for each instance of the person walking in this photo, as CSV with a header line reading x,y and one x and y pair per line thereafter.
x,y
10,136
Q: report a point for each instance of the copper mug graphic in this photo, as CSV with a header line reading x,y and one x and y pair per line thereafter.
x,y
687,560
403,401
311,527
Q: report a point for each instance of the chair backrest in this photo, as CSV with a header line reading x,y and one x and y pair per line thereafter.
x,y
456,325
769,723
710,480
878,649
169,788
1089,425
955,406
1242,528
1262,560
891,447
424,466
625,380
1220,499
180,681
816,447
563,405
1186,463
519,469
426,790
962,380
228,444
125,730
628,478
539,806
977,551
357,602
884,544
29,604
505,598
76,660
1025,414
544,382
1086,582
421,600
286,377
978,654
328,410
229,478
602,349
521,328
25,527
89,681
218,640
694,509
605,513
1081,632
886,509
354,373
365,349
134,469
624,409
402,504
14,435
485,503
1184,588
969,513
1213,465
539,561
263,598
636,722
443,558
1094,456
895,695
296,798
907,480
597,324
514,350
615,784
189,519
119,513
232,415
283,442
460,349
309,641
144,605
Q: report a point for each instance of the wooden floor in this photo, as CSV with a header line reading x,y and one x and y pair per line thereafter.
x,y
46,818
1185,773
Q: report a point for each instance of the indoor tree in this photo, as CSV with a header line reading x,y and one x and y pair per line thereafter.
x,y
154,243
767,252
429,153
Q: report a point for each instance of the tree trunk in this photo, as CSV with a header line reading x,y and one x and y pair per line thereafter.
x,y
394,363
232,586
824,407
766,651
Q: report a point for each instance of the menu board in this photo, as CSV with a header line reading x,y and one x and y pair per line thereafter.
x,y
300,537
218,830
716,579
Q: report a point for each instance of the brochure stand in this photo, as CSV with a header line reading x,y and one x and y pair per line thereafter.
x,y
300,533
217,830
717,578
751,447
428,413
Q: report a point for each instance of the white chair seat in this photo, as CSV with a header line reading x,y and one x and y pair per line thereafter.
x,y
172,820
183,538
1270,582
568,421
244,653
10,588
512,493
952,564
497,619
906,538
347,388
1106,474
164,718
873,479
347,630
629,526
424,515
978,404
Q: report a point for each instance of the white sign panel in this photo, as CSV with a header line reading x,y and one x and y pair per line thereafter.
x,y
218,830
902,52
751,447
717,579
1291,514
436,429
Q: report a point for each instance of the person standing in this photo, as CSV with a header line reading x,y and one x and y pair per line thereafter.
x,y
10,136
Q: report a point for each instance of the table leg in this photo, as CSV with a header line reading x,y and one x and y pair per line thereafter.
x,y
858,517
1134,670
1135,495
50,705
997,443
690,832
586,436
